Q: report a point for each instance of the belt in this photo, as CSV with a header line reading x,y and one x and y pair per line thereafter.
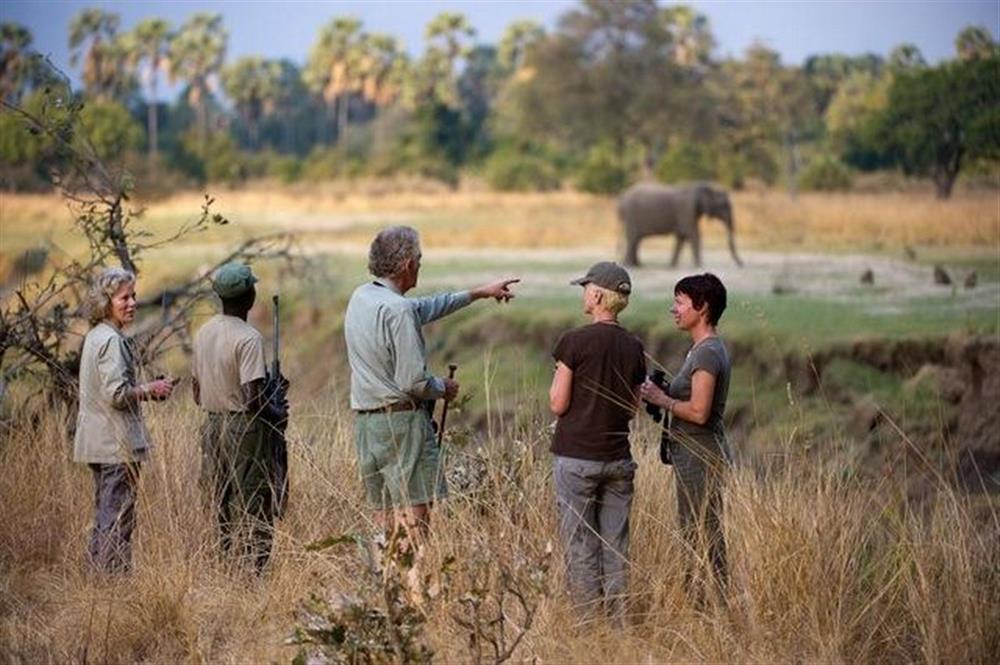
x,y
391,408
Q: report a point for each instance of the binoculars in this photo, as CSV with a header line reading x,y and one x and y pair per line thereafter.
x,y
657,378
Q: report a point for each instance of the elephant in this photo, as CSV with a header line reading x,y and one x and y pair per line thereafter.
x,y
650,208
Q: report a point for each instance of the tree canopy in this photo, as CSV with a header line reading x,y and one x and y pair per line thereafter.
x,y
615,92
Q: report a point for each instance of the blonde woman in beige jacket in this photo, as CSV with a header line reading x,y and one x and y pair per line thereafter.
x,y
111,436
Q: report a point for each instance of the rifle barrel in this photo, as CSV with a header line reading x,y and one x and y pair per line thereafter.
x,y
276,363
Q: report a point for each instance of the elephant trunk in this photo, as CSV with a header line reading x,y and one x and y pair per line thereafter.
x,y
732,241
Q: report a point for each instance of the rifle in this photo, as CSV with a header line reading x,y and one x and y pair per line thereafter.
x,y
276,388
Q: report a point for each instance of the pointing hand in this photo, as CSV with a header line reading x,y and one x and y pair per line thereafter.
x,y
498,290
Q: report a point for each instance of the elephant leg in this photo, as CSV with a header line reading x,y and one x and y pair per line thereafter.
x,y
696,249
679,243
632,251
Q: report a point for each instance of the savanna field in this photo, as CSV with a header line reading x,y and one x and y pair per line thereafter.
x,y
862,515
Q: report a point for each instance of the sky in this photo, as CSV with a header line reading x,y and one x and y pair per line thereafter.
x,y
795,28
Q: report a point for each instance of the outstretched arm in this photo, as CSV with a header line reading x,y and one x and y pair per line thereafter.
x,y
432,308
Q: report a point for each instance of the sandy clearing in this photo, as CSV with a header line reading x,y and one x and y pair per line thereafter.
x,y
835,277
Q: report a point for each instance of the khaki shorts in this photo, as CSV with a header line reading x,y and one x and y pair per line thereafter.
x,y
399,459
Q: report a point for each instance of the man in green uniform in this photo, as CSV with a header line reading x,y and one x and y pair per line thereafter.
x,y
229,378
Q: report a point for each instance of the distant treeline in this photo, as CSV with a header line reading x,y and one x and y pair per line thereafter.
x,y
617,91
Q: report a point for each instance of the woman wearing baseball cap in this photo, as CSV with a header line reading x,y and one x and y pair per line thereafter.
x,y
594,393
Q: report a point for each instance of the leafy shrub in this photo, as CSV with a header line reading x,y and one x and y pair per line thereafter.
x,y
223,161
27,154
286,168
601,172
110,129
19,154
437,168
687,161
732,170
512,170
381,623
216,159
826,173
763,163
331,164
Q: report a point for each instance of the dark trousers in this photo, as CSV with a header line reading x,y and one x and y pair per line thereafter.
x,y
700,471
236,476
594,500
110,547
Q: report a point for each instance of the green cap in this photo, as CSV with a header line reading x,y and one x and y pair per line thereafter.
x,y
609,275
232,280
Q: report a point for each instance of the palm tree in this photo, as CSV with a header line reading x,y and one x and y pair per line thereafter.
x,y
332,68
254,85
905,57
975,43
148,44
691,35
447,40
93,38
517,40
380,69
15,40
195,54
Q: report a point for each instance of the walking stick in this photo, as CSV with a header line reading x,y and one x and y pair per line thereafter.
x,y
444,411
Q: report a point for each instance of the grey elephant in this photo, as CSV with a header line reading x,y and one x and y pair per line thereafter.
x,y
649,208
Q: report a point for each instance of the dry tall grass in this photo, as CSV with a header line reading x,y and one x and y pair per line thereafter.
x,y
764,220
824,568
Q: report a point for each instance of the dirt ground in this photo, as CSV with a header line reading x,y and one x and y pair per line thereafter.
x,y
834,277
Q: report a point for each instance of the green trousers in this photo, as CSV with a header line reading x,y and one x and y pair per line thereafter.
x,y
235,476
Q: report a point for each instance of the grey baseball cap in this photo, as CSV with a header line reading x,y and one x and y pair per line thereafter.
x,y
609,275
232,280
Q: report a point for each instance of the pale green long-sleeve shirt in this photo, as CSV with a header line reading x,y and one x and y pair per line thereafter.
x,y
385,344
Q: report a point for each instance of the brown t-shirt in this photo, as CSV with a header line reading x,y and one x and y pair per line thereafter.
x,y
608,366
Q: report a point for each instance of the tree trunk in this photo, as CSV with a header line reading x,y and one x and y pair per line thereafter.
x,y
202,116
253,124
116,232
323,123
944,181
793,165
152,120
345,100
945,175
202,125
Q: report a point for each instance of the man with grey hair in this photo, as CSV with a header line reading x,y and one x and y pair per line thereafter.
x,y
398,455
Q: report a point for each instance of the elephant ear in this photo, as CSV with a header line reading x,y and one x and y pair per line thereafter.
x,y
702,200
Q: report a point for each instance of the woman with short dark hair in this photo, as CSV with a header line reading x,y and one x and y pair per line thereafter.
x,y
111,435
695,401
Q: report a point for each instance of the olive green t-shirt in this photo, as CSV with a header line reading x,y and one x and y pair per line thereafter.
x,y
711,356
608,364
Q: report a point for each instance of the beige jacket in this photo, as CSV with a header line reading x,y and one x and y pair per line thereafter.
x,y
109,428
